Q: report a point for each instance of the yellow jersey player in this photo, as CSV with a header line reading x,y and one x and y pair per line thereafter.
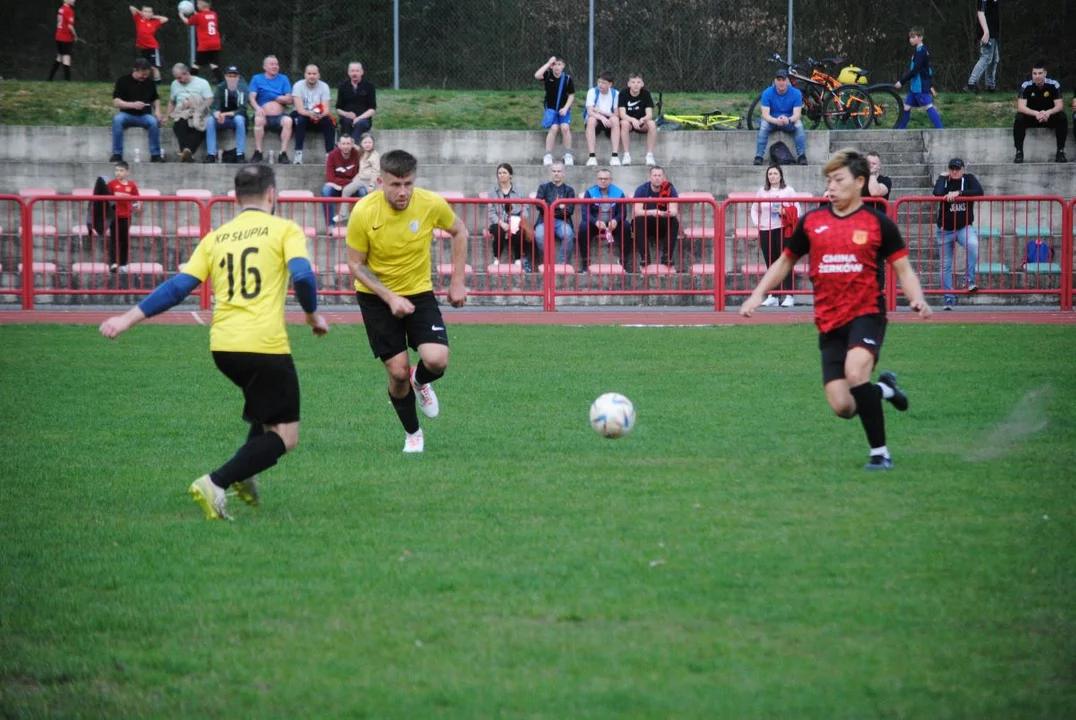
x,y
388,251
248,260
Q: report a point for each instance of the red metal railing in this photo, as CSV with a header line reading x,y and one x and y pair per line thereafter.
x,y
49,253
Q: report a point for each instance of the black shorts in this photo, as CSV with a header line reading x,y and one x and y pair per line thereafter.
x,y
866,331
269,382
205,58
64,48
600,129
389,335
151,54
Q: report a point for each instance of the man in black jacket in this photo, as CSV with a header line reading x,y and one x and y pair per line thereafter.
x,y
356,103
956,224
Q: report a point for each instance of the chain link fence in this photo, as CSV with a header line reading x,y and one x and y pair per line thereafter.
x,y
679,46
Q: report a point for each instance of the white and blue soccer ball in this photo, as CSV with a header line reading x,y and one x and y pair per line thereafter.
x,y
612,415
186,8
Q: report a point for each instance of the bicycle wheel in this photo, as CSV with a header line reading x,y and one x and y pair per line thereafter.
x,y
813,100
847,107
888,105
754,113
667,125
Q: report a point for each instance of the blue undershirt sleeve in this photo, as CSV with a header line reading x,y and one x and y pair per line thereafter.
x,y
168,294
306,285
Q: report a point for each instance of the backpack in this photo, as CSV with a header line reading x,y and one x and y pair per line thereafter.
x,y
1039,252
596,94
780,154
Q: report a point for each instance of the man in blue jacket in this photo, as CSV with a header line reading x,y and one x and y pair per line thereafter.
x,y
601,220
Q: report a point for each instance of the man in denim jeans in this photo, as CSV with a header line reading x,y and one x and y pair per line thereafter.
x,y
956,224
135,96
782,105
562,221
989,55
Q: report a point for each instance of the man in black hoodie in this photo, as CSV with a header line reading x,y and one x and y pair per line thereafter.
x,y
956,224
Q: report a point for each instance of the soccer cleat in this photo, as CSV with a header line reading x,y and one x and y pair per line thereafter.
x,y
414,442
548,159
256,157
298,157
879,462
650,159
625,159
614,161
899,399
592,161
569,159
213,499
770,301
247,490
427,398
1019,157
789,301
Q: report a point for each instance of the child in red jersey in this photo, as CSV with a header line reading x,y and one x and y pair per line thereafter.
x,y
146,45
119,241
65,38
207,45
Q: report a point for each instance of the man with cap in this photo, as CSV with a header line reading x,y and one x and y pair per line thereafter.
x,y
782,105
229,111
956,223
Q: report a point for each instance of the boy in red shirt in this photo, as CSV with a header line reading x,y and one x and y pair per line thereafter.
x,y
207,47
65,38
146,45
118,247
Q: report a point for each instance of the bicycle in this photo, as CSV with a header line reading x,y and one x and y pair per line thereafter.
x,y
825,99
713,120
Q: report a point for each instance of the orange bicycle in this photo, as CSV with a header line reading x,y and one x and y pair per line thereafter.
x,y
840,106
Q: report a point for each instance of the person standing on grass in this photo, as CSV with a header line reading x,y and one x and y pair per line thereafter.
x,y
146,44
557,117
989,54
207,36
65,39
920,79
848,244
388,252
248,260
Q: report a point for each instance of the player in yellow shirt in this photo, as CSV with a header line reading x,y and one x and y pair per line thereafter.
x,y
388,251
248,261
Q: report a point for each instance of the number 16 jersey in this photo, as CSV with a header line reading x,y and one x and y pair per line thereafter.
x,y
248,261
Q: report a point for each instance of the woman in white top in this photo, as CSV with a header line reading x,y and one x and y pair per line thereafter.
x,y
766,216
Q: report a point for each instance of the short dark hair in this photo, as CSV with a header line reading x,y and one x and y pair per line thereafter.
x,y
606,76
253,181
1040,64
399,163
634,75
122,164
855,161
141,64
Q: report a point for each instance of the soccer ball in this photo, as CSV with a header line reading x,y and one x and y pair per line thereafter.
x,y
186,7
612,415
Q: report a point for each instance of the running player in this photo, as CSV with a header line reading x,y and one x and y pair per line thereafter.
x,y
849,244
207,46
249,260
388,251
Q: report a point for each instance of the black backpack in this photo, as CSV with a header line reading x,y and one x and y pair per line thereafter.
x,y
780,154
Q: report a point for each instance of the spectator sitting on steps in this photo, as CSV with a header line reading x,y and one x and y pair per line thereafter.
x,y
1040,105
270,93
135,97
229,111
189,104
782,106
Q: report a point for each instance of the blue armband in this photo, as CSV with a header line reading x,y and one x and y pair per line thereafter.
x,y
306,284
168,294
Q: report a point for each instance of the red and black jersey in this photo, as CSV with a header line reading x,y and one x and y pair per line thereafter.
x,y
124,188
207,28
848,256
65,20
146,33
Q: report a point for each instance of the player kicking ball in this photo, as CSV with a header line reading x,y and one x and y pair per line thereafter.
x,y
248,260
849,244
388,251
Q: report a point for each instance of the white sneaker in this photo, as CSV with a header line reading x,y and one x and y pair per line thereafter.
x,y
548,159
650,159
414,442
592,161
614,161
427,398
789,301
625,159
770,301
247,490
569,159
298,158
213,499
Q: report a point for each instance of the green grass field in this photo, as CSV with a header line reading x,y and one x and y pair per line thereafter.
x,y
727,559
42,103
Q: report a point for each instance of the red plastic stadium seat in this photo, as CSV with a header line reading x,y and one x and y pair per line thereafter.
x,y
446,269
741,195
338,231
143,268
89,268
41,267
702,269
559,269
342,269
606,269
760,268
33,192
283,194
200,193
38,230
154,231
746,233
656,269
504,269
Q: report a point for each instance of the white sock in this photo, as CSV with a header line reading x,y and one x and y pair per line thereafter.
x,y
883,451
887,392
